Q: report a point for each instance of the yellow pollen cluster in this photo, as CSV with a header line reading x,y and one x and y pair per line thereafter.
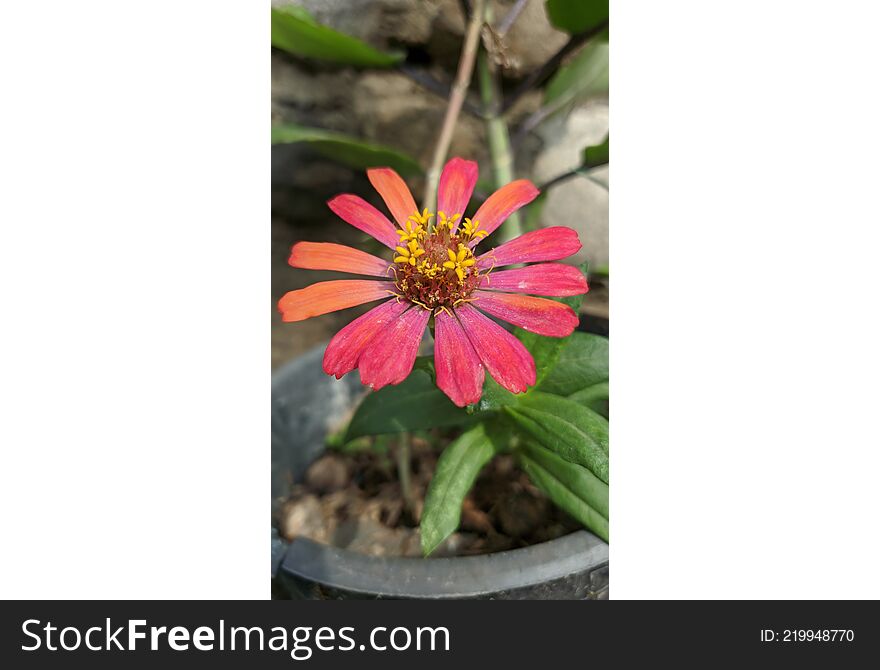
x,y
447,221
421,219
459,261
471,231
409,253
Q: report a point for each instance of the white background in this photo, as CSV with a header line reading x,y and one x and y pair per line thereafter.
x,y
134,274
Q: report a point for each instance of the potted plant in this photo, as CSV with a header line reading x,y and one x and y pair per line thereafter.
x,y
486,453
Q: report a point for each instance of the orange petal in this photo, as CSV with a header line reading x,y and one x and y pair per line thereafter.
x,y
456,187
338,257
363,216
504,202
394,192
330,296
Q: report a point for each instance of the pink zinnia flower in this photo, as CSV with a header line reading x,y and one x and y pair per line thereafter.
x,y
435,273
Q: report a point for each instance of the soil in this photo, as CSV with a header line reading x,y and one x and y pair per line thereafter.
x,y
353,500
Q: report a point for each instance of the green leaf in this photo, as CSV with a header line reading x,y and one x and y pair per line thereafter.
x,y
596,155
576,478
593,397
585,76
413,404
583,363
344,149
560,482
572,431
296,32
577,16
454,475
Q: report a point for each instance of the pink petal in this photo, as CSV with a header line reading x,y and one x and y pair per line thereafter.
x,y
394,192
504,356
456,187
330,296
542,279
504,202
390,356
345,348
546,244
329,256
537,315
363,216
460,374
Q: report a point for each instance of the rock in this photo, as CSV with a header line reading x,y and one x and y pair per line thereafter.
x,y
303,518
578,203
475,519
531,41
520,513
327,474
367,536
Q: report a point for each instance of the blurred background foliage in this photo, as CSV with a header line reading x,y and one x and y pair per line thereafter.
x,y
361,83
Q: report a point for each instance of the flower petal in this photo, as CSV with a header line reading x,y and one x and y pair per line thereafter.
x,y
363,216
537,315
504,356
542,279
330,296
456,187
546,244
502,203
345,348
390,356
460,374
329,256
394,192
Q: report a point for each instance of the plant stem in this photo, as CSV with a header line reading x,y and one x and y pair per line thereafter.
x,y
456,99
499,139
404,458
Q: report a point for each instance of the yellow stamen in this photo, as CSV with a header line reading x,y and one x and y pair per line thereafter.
x,y
421,219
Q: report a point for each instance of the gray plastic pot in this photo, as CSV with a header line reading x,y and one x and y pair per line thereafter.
x,y
306,404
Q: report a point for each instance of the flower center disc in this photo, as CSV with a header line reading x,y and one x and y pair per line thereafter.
x,y
436,269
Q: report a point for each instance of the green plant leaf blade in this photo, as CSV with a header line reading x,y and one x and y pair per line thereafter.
x,y
346,150
577,16
565,498
456,472
585,76
414,404
581,364
593,397
595,156
577,479
296,32
570,430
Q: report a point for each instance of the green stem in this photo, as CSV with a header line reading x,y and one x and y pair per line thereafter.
x,y
404,459
499,138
